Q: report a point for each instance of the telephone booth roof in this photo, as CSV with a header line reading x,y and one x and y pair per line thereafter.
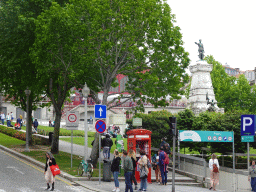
x,y
139,132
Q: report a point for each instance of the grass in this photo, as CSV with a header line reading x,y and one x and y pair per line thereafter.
x,y
10,142
80,141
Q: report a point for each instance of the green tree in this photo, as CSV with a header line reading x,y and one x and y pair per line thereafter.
x,y
231,93
137,39
57,55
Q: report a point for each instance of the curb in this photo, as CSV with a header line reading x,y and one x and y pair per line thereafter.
x,y
42,165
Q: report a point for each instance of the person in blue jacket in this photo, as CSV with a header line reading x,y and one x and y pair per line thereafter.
x,y
35,124
163,166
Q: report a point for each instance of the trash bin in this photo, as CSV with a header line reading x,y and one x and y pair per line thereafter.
x,y
50,137
107,170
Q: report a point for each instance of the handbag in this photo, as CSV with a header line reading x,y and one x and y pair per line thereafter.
x,y
55,169
215,168
143,173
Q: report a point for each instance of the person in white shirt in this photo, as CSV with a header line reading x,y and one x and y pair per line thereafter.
x,y
214,168
2,117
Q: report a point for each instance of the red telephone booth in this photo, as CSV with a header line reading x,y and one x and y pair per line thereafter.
x,y
140,139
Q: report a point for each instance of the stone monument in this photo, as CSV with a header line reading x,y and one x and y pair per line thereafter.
x,y
201,90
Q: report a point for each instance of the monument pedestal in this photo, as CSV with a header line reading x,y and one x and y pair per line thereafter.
x,y
201,84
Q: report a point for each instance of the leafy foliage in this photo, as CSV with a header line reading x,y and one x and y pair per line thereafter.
x,y
186,120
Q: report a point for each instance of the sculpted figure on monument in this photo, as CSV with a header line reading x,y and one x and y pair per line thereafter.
x,y
211,108
200,49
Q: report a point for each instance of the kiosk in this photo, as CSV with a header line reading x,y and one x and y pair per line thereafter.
x,y
140,139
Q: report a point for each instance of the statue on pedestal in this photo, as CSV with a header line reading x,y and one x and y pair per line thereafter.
x,y
200,49
211,108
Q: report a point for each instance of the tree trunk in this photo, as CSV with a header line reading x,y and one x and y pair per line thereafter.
x,y
95,150
55,142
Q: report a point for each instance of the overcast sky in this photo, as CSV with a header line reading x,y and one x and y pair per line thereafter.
x,y
227,29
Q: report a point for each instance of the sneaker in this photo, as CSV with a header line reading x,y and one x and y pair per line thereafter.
x,y
117,190
114,190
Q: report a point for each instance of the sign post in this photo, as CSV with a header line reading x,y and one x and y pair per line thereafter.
x,y
248,126
100,127
72,122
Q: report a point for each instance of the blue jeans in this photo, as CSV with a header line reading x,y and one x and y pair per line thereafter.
x,y
163,173
143,184
128,182
2,121
253,183
8,123
115,175
106,152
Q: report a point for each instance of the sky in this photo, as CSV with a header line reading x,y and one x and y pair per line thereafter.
x,y
227,29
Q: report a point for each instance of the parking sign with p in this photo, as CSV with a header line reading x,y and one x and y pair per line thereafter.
x,y
248,123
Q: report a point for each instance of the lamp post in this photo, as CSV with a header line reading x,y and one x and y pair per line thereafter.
x,y
27,92
85,92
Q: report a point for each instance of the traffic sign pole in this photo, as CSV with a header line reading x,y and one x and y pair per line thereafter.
x,y
99,155
71,148
248,155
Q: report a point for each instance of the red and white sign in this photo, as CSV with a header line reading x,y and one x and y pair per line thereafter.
x,y
72,119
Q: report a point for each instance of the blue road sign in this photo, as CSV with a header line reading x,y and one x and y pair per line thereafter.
x,y
247,138
100,111
100,126
248,125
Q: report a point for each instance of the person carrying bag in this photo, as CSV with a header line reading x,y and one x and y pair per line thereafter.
x,y
214,167
144,165
51,169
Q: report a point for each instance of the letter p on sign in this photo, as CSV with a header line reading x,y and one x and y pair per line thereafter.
x,y
248,125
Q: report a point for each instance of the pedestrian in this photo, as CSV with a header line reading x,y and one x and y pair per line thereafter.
x,y
115,169
50,123
50,160
133,157
35,123
252,176
8,118
128,169
143,164
163,165
21,121
12,116
155,163
2,117
214,167
107,144
18,123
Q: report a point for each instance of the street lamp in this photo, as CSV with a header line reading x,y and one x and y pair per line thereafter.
x,y
86,92
27,92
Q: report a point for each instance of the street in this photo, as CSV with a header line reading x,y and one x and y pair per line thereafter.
x,y
17,175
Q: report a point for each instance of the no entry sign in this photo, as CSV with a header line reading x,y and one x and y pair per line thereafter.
x,y
100,126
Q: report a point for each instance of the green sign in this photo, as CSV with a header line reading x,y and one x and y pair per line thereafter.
x,y
205,136
247,138
137,122
119,143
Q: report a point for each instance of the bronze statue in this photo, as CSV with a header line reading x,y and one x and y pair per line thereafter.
x,y
211,108
200,49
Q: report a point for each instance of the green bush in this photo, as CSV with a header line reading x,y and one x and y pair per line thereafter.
x,y
186,120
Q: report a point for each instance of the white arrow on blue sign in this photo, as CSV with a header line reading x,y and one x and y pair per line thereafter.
x,y
100,111
248,123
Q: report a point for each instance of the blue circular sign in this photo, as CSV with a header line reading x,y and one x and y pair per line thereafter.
x,y
100,126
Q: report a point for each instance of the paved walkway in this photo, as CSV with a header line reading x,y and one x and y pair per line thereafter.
x,y
154,187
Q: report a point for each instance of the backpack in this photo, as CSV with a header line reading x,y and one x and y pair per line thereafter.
x,y
166,159
167,148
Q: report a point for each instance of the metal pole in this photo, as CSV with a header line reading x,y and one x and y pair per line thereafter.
x,y
99,155
248,155
173,158
27,127
85,131
179,148
71,148
234,161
